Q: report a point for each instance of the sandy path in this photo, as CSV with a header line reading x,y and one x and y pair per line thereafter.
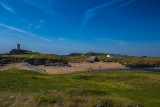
x,y
79,67
3,68
22,66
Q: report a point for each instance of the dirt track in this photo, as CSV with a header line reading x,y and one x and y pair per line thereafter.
x,y
79,67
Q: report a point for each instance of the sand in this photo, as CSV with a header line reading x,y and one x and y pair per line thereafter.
x,y
22,66
156,68
76,67
3,68
81,67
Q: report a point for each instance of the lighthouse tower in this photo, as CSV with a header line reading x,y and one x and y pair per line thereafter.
x,y
18,46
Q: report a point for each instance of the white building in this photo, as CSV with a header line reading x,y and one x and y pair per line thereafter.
x,y
115,56
108,56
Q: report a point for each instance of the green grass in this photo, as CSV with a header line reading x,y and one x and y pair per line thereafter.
x,y
114,88
78,58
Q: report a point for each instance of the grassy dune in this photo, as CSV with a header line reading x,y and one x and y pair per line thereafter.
x,y
128,60
113,88
35,59
41,59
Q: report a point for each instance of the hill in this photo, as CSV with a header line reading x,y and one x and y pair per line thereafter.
x,y
17,51
34,58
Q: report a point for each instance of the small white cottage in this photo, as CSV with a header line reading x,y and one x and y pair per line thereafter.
x,y
108,56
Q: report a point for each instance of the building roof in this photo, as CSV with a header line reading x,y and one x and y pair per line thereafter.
x,y
93,57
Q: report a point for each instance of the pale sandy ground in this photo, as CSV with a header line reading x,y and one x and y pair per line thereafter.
x,y
76,67
157,68
2,68
80,67
22,66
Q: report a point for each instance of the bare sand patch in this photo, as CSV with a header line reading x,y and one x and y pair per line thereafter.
x,y
80,67
3,68
76,67
22,66
156,68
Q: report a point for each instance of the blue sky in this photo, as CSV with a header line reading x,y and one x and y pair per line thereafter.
x,y
130,27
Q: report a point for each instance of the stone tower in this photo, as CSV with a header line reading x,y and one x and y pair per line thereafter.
x,y
18,47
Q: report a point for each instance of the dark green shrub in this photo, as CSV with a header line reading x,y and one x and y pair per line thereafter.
x,y
54,98
40,99
89,61
30,60
109,103
39,61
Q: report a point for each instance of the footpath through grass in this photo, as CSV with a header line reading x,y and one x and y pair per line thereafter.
x,y
114,88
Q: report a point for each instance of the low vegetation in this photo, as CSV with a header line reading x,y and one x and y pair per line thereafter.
x,y
35,59
48,59
131,62
16,51
85,89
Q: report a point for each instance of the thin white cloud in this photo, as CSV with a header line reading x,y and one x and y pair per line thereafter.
x,y
126,3
47,7
42,38
90,13
7,7
123,5
40,25
37,27
18,30
23,31
120,42
29,26
50,10
61,38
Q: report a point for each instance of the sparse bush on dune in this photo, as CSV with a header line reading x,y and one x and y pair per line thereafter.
x,y
94,54
75,54
77,59
10,60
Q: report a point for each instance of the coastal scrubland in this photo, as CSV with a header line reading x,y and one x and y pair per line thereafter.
x,y
128,61
44,59
34,59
